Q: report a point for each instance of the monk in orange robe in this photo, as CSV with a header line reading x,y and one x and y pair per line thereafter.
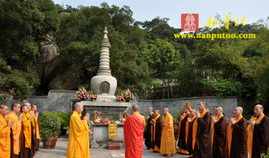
x,y
134,134
4,132
26,141
77,148
168,142
13,117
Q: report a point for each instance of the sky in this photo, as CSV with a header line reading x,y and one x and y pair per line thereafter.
x,y
145,10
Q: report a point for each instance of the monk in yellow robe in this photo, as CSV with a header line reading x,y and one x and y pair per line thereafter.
x,y
86,137
4,132
168,143
26,148
77,148
36,127
13,117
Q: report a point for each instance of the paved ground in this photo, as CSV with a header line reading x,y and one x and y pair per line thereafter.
x,y
60,150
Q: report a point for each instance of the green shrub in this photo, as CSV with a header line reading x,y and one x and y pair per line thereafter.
x,y
266,155
50,124
64,117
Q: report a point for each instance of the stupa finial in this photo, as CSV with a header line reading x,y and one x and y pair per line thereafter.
x,y
105,42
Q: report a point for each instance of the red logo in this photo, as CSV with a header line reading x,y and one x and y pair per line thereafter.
x,y
189,22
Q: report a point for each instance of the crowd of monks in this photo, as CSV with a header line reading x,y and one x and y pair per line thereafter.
x,y
19,130
205,134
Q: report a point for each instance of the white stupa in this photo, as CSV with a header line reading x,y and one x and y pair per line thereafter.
x,y
104,84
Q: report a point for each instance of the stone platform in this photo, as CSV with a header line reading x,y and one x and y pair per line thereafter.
x,y
60,151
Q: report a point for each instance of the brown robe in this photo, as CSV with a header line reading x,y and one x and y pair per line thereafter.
x,y
182,144
148,133
204,137
260,138
157,133
190,137
237,140
219,140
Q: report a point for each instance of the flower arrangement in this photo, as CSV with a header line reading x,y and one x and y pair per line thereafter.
x,y
120,99
83,94
125,96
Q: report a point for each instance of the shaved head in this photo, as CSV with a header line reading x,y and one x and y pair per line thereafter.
x,y
259,106
238,111
165,110
258,110
202,106
78,107
4,109
135,108
218,110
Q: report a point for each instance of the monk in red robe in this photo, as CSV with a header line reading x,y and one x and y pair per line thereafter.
x,y
133,134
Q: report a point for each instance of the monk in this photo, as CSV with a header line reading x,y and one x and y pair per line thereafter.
x,y
236,135
133,134
77,148
156,130
13,117
26,141
204,133
219,138
191,131
4,132
85,135
36,126
182,144
148,132
168,143
260,132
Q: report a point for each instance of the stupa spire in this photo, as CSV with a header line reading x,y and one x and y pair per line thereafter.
x,y
104,62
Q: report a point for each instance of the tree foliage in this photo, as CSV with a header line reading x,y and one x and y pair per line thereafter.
x,y
145,57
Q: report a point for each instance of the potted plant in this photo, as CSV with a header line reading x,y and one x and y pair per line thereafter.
x,y
51,126
64,117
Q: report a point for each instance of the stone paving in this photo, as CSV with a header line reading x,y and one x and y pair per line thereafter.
x,y
60,150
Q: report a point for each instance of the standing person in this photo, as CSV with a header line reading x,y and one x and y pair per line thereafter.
x,y
236,135
191,131
148,132
204,133
76,144
219,139
36,126
260,132
86,137
26,141
168,143
157,130
13,117
182,144
4,132
133,134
